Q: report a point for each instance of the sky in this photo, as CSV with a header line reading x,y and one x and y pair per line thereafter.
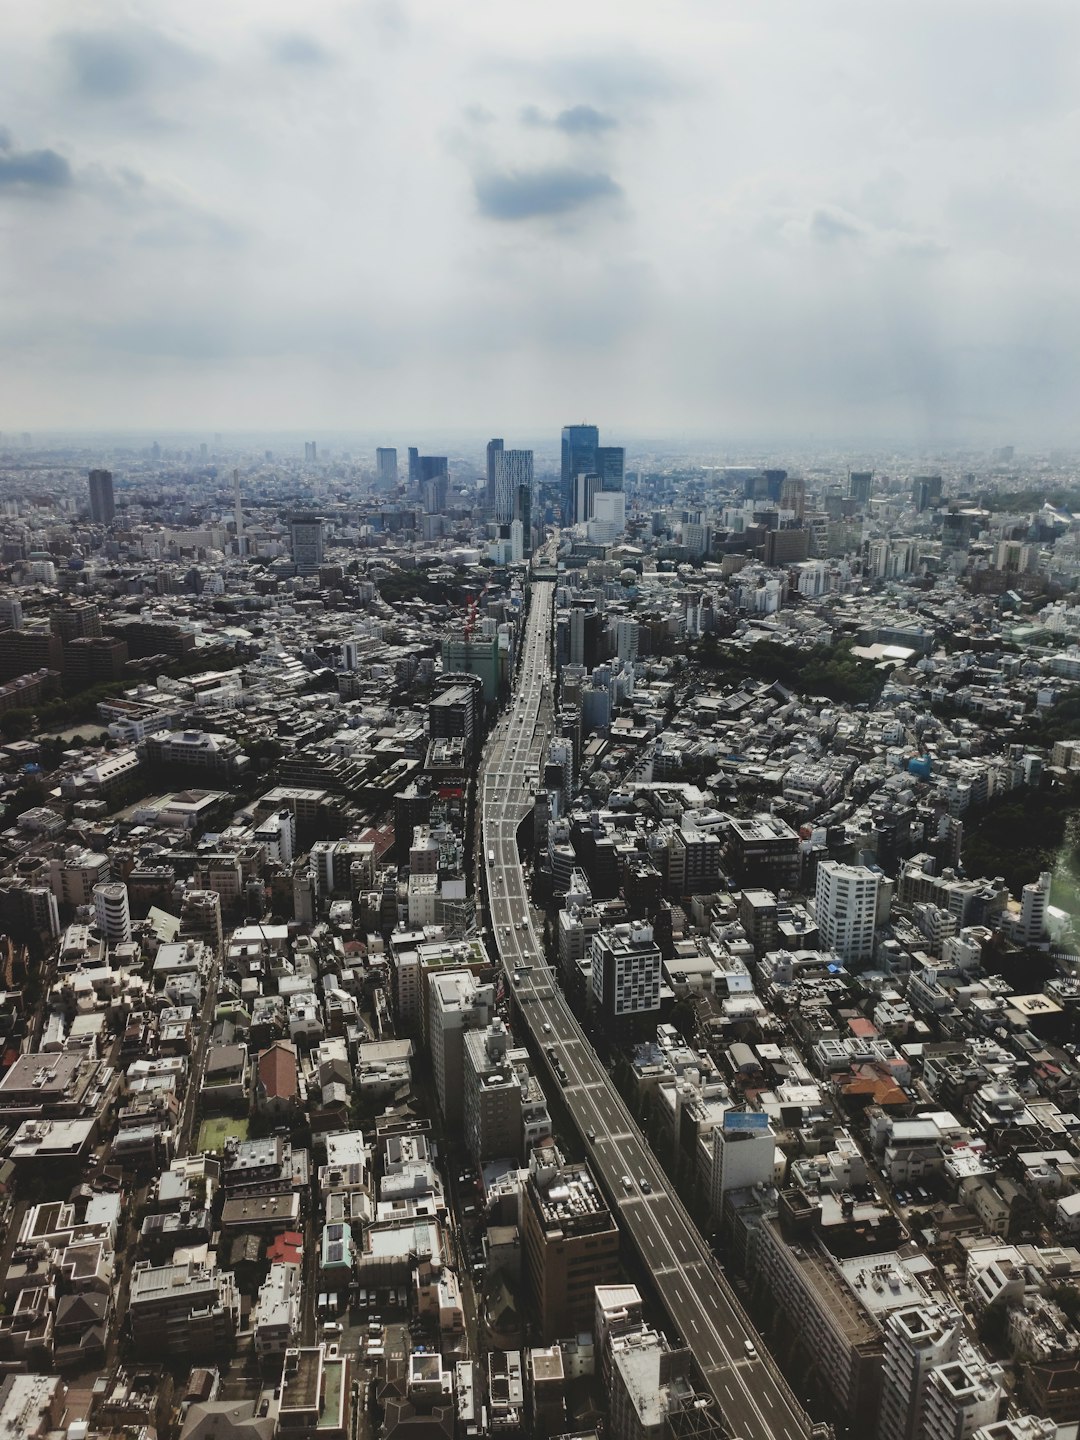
x,y
814,220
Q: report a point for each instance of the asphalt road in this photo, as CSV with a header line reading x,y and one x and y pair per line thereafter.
x,y
752,1395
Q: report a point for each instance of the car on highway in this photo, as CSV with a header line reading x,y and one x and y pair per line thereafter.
x,y
546,1028
590,1135
646,1188
627,1183
751,1349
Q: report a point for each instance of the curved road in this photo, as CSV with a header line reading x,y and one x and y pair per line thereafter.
x,y
753,1397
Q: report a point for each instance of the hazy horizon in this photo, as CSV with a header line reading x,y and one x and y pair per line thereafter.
x,y
825,225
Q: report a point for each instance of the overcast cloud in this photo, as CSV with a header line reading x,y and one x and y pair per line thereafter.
x,y
820,220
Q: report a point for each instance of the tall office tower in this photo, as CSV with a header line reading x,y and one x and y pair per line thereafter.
x,y
626,966
627,633
916,1339
11,613
307,543
579,446
492,1095
434,482
238,512
571,1242
523,503
310,451
111,913
457,710
513,472
386,467
585,488
793,495
860,483
493,448
846,901
611,466
457,1002
102,503
926,492
433,494
414,465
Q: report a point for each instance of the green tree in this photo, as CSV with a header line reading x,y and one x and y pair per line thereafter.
x,y
16,724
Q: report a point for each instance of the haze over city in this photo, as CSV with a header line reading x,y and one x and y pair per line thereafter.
x,y
801,221
539,720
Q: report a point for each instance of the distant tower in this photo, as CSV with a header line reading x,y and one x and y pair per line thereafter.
x,y
579,447
102,504
860,484
611,466
238,511
386,467
493,448
513,470
306,538
310,451
414,465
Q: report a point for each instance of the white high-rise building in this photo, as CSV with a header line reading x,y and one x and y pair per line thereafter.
x,y
743,1155
626,639
846,902
1034,898
111,912
961,1397
456,1002
916,1339
608,519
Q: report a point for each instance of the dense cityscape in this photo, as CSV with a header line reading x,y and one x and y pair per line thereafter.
x,y
566,942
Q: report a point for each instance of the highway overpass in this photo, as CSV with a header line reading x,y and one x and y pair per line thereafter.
x,y
754,1400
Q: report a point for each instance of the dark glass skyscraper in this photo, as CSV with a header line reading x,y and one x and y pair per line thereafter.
x,y
102,504
611,466
579,446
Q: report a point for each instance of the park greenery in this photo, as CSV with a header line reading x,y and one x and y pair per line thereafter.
x,y
828,670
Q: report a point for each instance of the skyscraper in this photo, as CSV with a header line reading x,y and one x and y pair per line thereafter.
x,y
434,480
307,543
414,465
513,472
493,448
386,467
611,466
846,902
102,504
579,447
238,512
926,492
860,483
585,487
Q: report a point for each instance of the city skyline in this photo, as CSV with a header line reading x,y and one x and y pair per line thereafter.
x,y
716,221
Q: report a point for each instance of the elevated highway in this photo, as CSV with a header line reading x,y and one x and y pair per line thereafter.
x,y
752,1396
